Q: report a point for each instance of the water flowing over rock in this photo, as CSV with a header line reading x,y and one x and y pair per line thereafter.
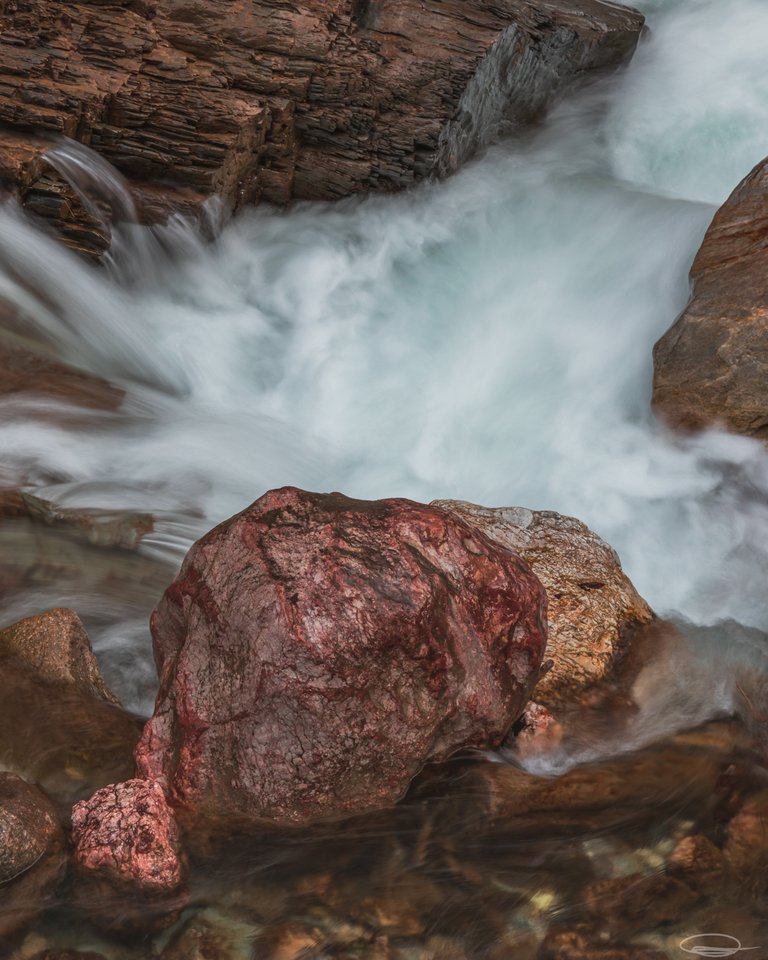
x,y
31,852
127,853
310,99
316,651
711,367
593,610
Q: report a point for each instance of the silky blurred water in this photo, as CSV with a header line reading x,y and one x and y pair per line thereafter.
x,y
487,338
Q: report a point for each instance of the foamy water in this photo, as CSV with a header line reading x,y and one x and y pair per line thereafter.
x,y
487,338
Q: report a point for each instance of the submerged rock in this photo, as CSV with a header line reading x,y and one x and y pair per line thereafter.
x,y
594,613
60,725
31,852
310,99
711,366
127,853
54,646
316,651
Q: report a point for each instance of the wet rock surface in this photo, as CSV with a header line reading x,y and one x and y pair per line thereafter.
x,y
710,367
55,647
310,100
316,651
594,613
127,853
31,852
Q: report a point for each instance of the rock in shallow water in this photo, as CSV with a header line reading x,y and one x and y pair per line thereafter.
x,y
31,852
316,651
128,855
594,613
55,647
711,366
313,99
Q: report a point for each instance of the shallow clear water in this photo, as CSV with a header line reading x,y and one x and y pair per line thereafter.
x,y
487,338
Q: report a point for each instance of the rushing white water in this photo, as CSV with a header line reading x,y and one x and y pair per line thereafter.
x,y
487,338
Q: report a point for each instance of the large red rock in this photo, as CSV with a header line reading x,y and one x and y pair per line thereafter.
x,y
316,651
711,366
303,98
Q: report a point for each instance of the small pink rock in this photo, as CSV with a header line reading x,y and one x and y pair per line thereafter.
x,y
538,731
127,833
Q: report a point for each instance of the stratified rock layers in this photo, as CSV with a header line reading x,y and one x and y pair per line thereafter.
x,y
312,99
316,651
711,367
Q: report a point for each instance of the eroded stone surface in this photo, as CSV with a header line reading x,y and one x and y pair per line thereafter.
x,y
127,831
593,610
309,99
711,366
315,651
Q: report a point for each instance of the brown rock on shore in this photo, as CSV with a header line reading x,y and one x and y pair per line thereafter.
x,y
316,651
711,367
309,99
594,613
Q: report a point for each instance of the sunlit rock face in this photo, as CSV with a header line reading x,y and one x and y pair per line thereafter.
x,y
711,367
594,613
310,99
316,651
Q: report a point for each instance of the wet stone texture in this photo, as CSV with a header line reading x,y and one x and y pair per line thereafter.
x,y
55,647
594,614
313,99
316,651
31,852
127,831
127,853
710,367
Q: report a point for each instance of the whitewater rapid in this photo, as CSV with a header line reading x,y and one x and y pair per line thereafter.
x,y
486,338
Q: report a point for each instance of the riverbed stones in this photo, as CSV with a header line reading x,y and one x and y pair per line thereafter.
x,y
31,852
594,613
711,366
55,647
127,853
316,651
307,99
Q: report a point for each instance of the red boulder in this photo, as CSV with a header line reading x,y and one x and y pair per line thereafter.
x,y
316,651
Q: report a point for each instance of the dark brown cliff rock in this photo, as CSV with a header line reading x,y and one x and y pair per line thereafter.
x,y
711,367
316,651
311,99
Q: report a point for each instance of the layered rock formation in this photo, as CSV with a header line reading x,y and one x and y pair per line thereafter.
x,y
60,725
594,613
316,651
711,367
309,99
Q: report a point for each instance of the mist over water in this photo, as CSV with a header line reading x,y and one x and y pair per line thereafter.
x,y
487,338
